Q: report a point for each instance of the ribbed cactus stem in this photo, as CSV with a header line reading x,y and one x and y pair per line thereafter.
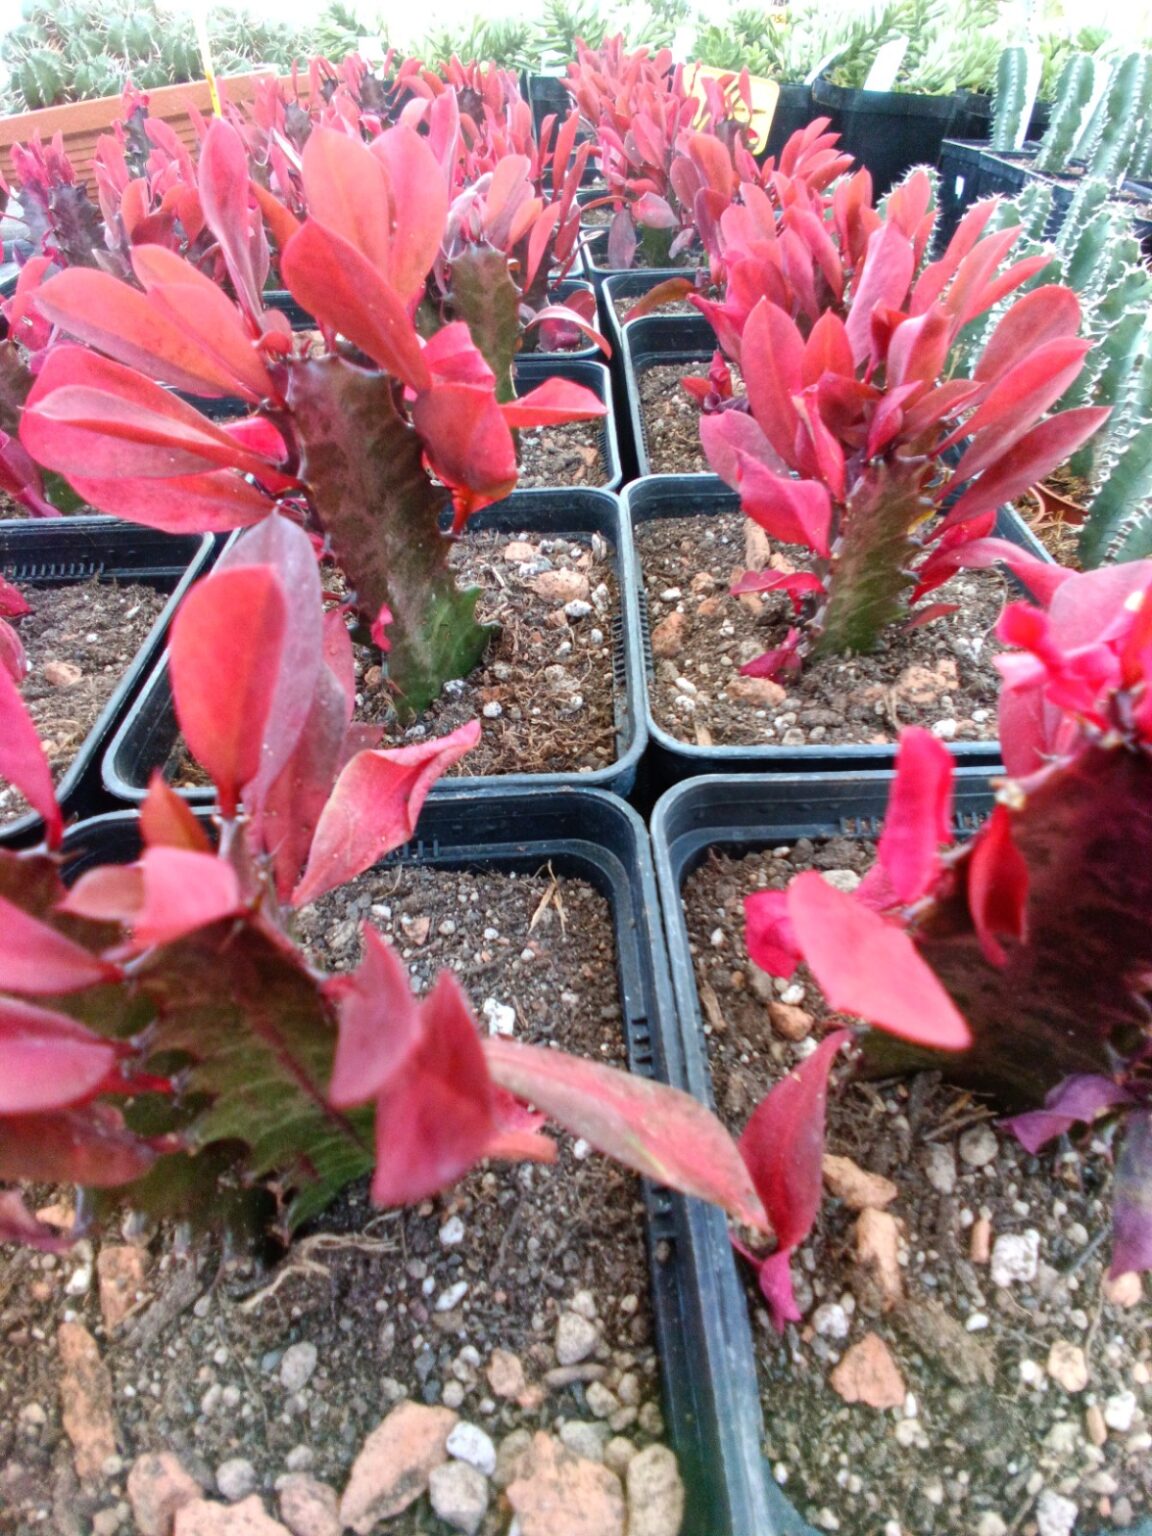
x,y
1119,525
1074,91
1126,107
1008,125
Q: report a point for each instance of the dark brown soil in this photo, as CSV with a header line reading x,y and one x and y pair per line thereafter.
x,y
396,1303
671,419
940,675
562,456
988,1440
79,640
544,694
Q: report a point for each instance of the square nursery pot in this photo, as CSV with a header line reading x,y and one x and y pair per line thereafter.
x,y
627,288
149,732
650,342
54,552
740,814
597,838
595,256
960,165
889,131
794,110
670,759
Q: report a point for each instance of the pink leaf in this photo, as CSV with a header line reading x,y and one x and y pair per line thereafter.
x,y
888,269
37,960
13,604
373,808
22,760
772,354
467,439
223,187
168,821
215,502
1079,1098
1038,317
552,403
47,1060
658,1131
348,192
420,205
919,815
379,1022
868,967
997,886
182,891
224,655
769,934
795,511
621,240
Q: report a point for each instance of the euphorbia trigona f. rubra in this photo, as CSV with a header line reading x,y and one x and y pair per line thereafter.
x,y
365,444
1025,953
167,993
845,445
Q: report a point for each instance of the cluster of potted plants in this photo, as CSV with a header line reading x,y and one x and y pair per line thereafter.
x,y
325,977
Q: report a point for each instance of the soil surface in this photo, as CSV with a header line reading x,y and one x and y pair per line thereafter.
x,y
1059,534
288,1370
569,454
1025,1403
79,640
545,692
671,419
939,675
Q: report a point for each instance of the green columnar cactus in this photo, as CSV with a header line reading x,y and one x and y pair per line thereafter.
x,y
1119,525
1126,110
1073,98
1008,126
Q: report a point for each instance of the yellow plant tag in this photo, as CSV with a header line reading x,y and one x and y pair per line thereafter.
x,y
765,94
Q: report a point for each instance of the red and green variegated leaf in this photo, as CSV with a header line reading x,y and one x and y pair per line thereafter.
x,y
132,328
373,808
434,1118
345,292
168,821
89,1146
39,961
997,886
783,1143
772,356
92,417
225,657
379,1023
348,191
223,187
1038,317
1016,402
181,891
552,403
420,205
215,502
1036,454
868,967
22,760
47,1060
888,269
918,820
658,1131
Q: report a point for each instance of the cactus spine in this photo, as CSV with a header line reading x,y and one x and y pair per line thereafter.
x,y
1009,127
1074,93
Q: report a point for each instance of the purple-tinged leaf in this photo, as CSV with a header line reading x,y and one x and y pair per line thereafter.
x,y
89,1145
621,240
181,891
1078,1099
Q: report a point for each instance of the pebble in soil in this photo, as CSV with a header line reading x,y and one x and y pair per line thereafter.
x,y
79,640
1021,1400
517,1301
939,675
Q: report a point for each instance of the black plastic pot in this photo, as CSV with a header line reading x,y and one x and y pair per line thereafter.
x,y
650,342
887,131
960,165
669,759
597,838
594,253
1006,174
56,552
630,286
149,733
741,814
794,110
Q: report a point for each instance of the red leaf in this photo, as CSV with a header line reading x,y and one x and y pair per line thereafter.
x,y
827,350
47,1060
13,604
223,187
795,511
22,760
783,1143
672,290
112,893
553,403
373,808
337,284
168,821
225,651
434,1117
1038,451
621,240
348,191
420,205
997,886
379,1023
182,891
468,441
660,1132
1016,402
888,269
37,960
772,356
89,1146
769,934
215,502
868,967
919,815
1037,317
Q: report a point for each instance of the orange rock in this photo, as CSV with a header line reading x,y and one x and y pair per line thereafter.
x,y
61,674
859,1190
394,1464
789,1021
561,586
563,1494
980,1243
158,1486
505,1373
121,1269
761,692
709,608
668,635
248,1518
757,546
86,1400
878,1250
868,1374
1124,1291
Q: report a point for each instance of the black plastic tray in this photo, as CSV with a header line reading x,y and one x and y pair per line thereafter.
x,y
743,813
960,165
629,285
794,110
53,552
593,250
149,731
648,343
670,760
888,131
595,837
